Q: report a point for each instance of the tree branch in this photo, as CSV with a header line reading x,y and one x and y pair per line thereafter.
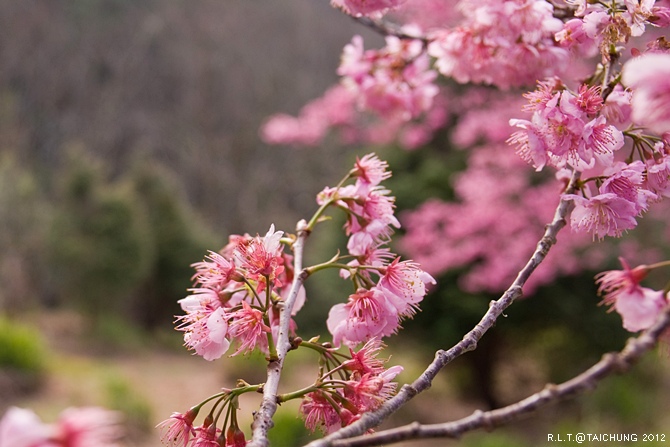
x,y
610,363
263,418
387,29
470,340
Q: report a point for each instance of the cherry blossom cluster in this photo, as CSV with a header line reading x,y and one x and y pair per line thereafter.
x,y
351,387
391,91
378,306
180,430
241,291
504,43
601,27
572,129
374,8
638,306
236,296
76,427
566,129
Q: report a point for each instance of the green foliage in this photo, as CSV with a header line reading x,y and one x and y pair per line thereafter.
x,y
629,399
23,217
114,333
124,247
21,348
289,430
99,243
179,239
23,360
121,396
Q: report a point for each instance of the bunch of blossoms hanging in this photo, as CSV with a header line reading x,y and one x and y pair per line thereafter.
x,y
591,124
247,293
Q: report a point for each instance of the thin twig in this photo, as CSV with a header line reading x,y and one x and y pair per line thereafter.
x,y
388,29
263,418
611,363
470,340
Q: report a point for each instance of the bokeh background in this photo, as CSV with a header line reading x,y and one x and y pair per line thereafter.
x,y
129,146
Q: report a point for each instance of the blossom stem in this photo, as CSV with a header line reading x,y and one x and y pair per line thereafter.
x,y
317,215
658,265
272,349
253,290
263,418
327,265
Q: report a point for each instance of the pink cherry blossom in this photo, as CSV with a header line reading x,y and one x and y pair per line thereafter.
x,y
366,7
367,314
248,328
23,428
626,181
658,174
178,428
613,282
639,307
88,427
395,82
206,437
404,285
365,360
214,272
617,108
649,78
318,412
204,325
370,170
602,215
638,12
561,132
368,391
262,257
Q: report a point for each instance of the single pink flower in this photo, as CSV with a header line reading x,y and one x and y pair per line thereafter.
x,y
371,170
88,427
366,315
206,437
602,215
178,428
599,141
262,257
204,325
639,307
638,12
318,412
589,99
649,78
626,180
23,428
365,359
613,282
214,272
404,285
368,391
529,144
248,328
658,174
